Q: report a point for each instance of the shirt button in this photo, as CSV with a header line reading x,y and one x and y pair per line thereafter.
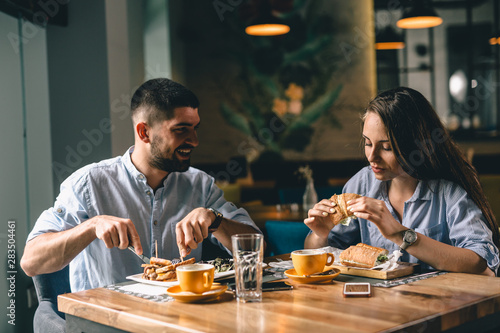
x,y
492,249
148,192
155,222
141,177
59,210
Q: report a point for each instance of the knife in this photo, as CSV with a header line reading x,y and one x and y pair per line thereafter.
x,y
143,257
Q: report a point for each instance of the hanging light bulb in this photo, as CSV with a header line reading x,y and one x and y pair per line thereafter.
x,y
419,16
388,39
267,25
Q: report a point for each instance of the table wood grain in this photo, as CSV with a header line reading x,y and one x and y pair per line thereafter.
x,y
435,304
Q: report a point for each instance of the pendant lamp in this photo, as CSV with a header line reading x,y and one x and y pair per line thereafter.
x,y
267,25
418,16
389,39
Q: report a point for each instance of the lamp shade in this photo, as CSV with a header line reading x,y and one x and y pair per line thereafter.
x,y
419,16
267,25
389,39
267,29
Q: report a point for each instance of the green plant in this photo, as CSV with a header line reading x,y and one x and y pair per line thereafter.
x,y
286,83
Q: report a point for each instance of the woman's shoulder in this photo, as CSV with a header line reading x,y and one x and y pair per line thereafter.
x,y
446,189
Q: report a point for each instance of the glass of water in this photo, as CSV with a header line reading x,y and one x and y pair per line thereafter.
x,y
248,253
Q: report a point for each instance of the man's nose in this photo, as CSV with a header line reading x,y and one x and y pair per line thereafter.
x,y
193,139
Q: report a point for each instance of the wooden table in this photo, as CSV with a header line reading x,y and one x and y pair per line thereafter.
x,y
461,302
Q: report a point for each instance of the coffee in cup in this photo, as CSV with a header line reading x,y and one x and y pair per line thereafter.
x,y
308,262
196,278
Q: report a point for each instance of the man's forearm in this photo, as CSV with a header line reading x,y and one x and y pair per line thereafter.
x,y
229,228
51,252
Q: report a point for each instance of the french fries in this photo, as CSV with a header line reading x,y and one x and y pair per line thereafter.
x,y
162,269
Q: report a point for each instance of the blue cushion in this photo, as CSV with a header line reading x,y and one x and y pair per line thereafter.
x,y
285,236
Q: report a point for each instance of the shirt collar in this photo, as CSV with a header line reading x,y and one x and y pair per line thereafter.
x,y
127,161
423,191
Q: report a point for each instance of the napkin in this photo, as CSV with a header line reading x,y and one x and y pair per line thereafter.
x,y
145,289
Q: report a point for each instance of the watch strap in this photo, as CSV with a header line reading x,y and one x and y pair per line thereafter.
x,y
216,223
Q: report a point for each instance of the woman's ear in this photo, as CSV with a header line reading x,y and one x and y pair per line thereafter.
x,y
142,130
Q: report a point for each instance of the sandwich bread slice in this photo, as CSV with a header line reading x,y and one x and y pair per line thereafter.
x,y
342,215
364,256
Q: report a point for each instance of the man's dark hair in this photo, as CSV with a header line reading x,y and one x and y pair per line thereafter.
x,y
157,99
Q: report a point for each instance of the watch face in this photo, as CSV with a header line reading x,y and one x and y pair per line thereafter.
x,y
410,236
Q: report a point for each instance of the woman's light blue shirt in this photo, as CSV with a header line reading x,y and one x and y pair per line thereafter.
x,y
115,187
439,209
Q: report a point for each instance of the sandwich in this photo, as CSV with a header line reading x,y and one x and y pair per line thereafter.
x,y
363,255
162,269
342,215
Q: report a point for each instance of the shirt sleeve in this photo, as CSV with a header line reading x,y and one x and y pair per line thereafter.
x,y
468,228
68,211
216,200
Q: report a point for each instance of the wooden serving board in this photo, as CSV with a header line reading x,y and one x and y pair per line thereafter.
x,y
404,269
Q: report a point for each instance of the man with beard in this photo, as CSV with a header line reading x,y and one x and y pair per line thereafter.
x,y
149,198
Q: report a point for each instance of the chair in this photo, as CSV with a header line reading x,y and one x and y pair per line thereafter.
x,y
48,286
285,236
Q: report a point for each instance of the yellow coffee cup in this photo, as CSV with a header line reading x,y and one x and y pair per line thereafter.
x,y
308,262
196,278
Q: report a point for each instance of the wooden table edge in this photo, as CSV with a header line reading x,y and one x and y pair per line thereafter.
x,y
127,319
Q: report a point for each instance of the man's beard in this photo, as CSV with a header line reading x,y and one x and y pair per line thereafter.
x,y
160,162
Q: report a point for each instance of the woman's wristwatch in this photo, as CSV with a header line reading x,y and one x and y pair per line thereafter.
x,y
409,237
216,223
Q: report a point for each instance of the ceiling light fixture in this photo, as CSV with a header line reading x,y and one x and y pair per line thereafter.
x,y
418,16
267,25
389,39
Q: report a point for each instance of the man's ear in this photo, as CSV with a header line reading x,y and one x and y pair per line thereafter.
x,y
142,130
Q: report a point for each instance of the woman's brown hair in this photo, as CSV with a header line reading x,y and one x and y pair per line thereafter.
x,y
424,148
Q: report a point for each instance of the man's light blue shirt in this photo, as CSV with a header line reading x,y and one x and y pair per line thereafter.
x,y
439,209
115,187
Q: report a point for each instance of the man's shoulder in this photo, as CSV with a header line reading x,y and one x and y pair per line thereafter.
x,y
96,169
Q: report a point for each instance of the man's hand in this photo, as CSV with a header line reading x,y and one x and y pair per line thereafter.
x,y
193,229
117,232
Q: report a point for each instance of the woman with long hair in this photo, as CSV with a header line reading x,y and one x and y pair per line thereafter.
x,y
419,192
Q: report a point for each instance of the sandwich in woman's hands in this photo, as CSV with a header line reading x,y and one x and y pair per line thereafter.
x,y
363,255
342,215
162,269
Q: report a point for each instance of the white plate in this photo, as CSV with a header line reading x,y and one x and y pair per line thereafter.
x,y
138,278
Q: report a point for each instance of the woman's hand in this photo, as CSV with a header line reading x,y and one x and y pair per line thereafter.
x,y
376,211
319,220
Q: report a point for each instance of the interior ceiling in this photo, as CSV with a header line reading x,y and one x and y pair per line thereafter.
x,y
443,4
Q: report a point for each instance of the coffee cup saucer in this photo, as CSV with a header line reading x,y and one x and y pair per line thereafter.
x,y
292,274
186,296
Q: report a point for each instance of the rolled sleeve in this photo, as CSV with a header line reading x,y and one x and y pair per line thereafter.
x,y
469,230
68,210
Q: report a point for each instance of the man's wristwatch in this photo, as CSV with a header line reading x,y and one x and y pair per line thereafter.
x,y
218,219
409,237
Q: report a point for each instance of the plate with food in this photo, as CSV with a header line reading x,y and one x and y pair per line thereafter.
x,y
370,261
161,272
